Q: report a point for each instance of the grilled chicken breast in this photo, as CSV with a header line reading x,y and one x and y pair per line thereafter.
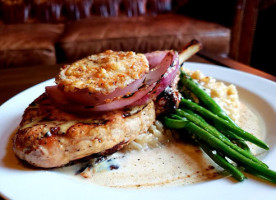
x,y
49,137
92,109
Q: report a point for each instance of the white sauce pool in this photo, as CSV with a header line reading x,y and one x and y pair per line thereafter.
x,y
176,163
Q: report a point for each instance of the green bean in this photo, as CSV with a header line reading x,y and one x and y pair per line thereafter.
x,y
222,122
229,152
191,85
193,114
222,162
210,103
224,139
220,146
254,173
186,93
235,139
230,135
203,124
174,116
200,122
174,123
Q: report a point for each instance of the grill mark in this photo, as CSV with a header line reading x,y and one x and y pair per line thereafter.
x,y
115,148
89,107
47,118
128,113
142,86
102,122
128,95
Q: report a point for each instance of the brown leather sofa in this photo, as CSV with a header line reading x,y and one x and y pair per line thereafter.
x,y
93,26
28,44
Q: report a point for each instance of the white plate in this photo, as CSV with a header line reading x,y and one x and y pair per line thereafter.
x,y
19,183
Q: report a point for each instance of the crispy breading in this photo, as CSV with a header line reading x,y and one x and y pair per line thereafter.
x,y
103,72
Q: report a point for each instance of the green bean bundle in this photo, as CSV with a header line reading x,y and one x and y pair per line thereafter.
x,y
217,135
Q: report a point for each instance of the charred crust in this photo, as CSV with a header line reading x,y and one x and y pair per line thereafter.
x,y
142,86
115,148
192,42
89,107
47,118
54,130
128,95
48,134
127,112
169,99
96,122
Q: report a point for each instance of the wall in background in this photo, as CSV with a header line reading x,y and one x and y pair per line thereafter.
x,y
264,47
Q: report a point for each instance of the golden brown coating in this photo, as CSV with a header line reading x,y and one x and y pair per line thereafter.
x,y
103,72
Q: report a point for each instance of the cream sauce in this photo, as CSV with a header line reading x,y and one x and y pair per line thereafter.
x,y
176,163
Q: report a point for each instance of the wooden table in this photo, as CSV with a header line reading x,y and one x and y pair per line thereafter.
x,y
15,80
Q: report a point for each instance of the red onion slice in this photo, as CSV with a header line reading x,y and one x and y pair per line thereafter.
x,y
162,83
124,101
86,98
60,99
161,68
144,96
57,95
155,58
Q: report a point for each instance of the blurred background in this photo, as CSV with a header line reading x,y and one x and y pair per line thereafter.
x,y
49,32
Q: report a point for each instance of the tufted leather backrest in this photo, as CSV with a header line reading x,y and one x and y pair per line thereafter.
x,y
53,11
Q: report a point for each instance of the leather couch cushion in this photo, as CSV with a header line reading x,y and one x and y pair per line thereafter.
x,y
28,44
140,34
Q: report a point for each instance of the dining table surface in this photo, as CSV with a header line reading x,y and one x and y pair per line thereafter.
x,y
14,80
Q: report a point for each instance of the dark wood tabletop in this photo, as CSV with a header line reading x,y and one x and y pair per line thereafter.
x,y
15,80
